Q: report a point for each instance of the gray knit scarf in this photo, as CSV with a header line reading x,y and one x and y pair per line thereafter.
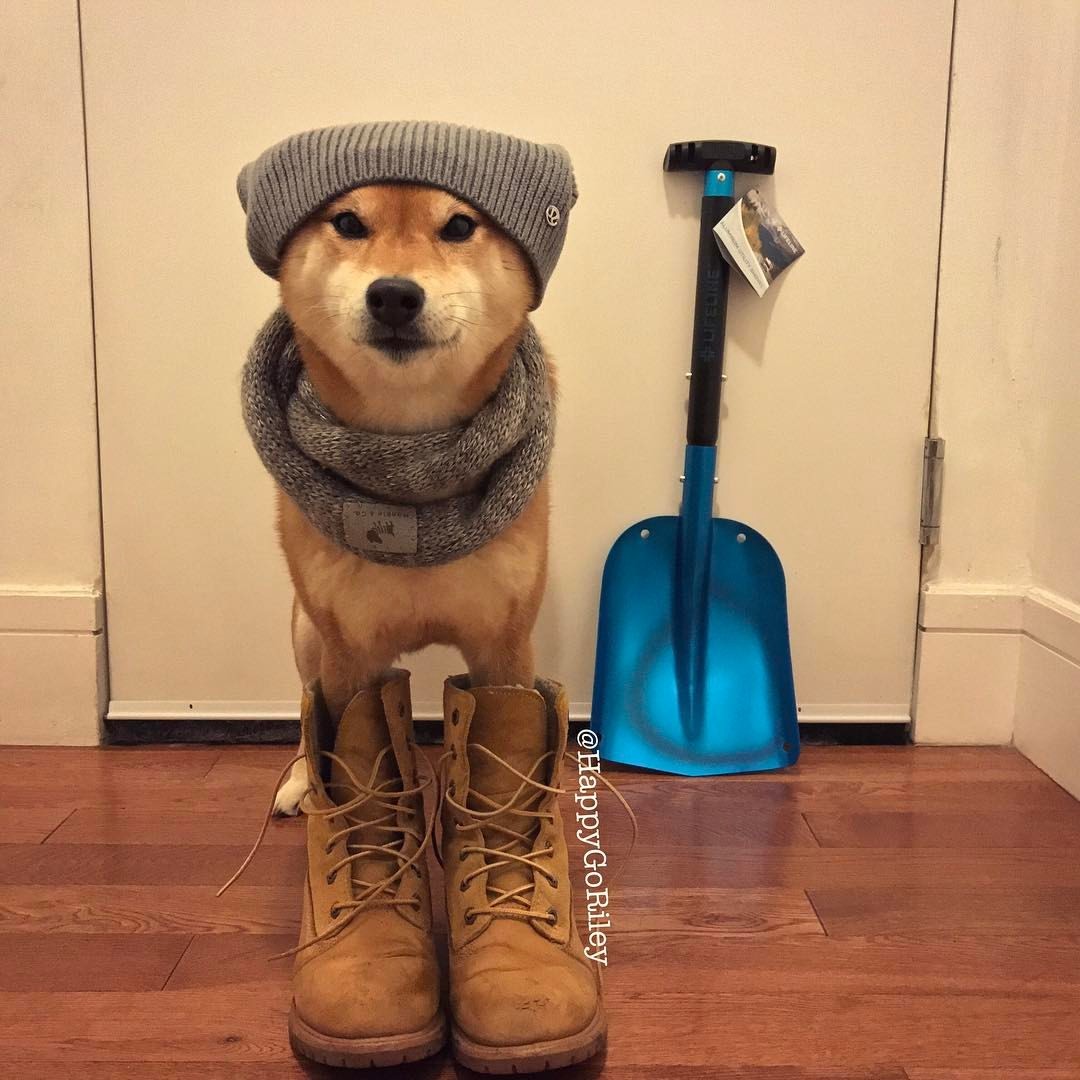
x,y
377,494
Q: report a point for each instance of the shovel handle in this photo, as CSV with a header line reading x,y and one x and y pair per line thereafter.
x,y
710,314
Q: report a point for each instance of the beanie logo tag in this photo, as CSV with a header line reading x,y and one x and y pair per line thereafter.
x,y
552,215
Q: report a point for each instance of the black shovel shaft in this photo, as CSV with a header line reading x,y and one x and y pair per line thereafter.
x,y
710,320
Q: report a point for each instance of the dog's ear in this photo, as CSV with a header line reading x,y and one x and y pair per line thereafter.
x,y
243,185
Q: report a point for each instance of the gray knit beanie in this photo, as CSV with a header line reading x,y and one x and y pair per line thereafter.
x,y
526,188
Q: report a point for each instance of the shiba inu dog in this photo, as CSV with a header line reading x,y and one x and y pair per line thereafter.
x,y
407,305
403,403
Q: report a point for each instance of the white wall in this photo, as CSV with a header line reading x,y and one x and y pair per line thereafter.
x,y
51,647
1048,697
999,652
1002,587
829,375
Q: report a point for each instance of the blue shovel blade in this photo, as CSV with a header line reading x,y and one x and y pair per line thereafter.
x,y
738,713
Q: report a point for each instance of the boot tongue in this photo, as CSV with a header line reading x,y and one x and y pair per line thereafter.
x,y
362,735
519,736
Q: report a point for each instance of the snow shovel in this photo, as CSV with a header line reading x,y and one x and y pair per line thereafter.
x,y
693,662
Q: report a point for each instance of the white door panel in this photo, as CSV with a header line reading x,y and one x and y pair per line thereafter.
x,y
825,407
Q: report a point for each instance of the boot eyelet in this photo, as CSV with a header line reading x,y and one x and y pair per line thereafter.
x,y
335,911
401,709
452,789
554,916
464,886
417,871
470,917
455,716
330,878
463,856
554,882
453,753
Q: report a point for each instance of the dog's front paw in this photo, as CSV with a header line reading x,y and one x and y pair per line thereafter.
x,y
290,796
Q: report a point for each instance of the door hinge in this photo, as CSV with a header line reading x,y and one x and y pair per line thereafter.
x,y
930,515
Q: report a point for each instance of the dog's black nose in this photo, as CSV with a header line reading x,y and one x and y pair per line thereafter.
x,y
394,301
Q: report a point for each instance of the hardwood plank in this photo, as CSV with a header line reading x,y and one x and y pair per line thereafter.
x,y
139,909
999,916
202,1070
690,817
31,825
210,864
994,1074
230,788
231,1025
148,864
232,959
441,1068
246,1024
258,767
147,794
856,966
724,914
70,761
823,1027
729,794
741,1072
150,777
663,864
89,962
881,764
274,756
1009,829
982,764
124,826
698,823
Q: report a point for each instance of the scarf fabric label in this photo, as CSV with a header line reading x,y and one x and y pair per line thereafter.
x,y
380,527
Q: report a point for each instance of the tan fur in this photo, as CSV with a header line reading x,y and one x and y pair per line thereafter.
x,y
353,618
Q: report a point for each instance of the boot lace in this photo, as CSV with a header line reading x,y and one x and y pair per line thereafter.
x,y
385,795
519,847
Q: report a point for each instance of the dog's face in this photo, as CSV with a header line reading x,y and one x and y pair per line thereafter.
x,y
408,279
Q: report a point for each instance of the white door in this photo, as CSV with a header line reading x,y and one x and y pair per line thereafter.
x,y
829,375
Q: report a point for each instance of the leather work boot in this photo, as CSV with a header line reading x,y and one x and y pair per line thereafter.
x,y
523,996
366,982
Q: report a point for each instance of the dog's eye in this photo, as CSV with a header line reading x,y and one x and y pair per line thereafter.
x,y
459,227
348,224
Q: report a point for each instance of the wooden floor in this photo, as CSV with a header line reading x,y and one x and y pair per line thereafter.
x,y
874,914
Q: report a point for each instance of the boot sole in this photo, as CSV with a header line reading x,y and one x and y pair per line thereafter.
x,y
532,1057
370,1053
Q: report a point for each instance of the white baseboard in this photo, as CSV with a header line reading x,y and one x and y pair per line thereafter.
x,y
205,710
977,657
1053,621
965,687
855,714
52,666
1048,712
991,608
432,710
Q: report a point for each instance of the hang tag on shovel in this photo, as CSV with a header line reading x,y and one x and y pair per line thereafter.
x,y
756,241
